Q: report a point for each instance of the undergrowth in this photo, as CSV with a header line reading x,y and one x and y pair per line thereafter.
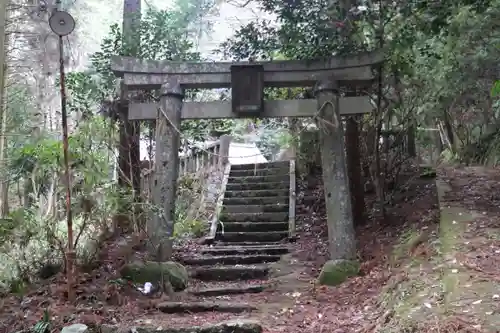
x,y
32,244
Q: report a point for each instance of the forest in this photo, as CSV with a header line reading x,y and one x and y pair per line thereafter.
x,y
435,121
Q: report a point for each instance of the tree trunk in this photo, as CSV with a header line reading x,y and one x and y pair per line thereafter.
x,y
27,193
4,184
354,170
411,141
129,152
129,149
449,130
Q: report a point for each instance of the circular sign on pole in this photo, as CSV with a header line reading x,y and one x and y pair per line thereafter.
x,y
62,23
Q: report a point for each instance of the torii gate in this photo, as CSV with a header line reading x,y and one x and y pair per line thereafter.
x,y
247,80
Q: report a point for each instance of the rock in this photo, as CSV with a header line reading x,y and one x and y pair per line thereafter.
x,y
154,272
75,328
334,272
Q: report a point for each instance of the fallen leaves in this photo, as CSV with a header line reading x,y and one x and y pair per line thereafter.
x,y
304,307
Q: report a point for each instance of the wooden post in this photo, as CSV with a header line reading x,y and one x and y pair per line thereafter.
x,y
291,203
224,143
215,155
354,170
341,233
293,130
436,146
161,227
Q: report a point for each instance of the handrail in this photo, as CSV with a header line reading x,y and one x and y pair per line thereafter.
x,y
291,202
192,162
212,157
218,207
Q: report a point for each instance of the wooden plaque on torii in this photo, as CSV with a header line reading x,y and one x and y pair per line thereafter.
x,y
247,90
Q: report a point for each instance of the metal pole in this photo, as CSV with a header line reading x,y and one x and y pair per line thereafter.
x,y
63,24
70,254
4,184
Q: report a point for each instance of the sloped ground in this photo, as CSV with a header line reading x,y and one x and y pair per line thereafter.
x,y
453,282
404,274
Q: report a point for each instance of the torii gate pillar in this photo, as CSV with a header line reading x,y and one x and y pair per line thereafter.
x,y
336,183
160,228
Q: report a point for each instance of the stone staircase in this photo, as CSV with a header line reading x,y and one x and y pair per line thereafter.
x,y
253,233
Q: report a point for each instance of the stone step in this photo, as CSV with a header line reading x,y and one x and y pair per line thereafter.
x,y
257,201
247,243
193,307
238,325
274,249
254,226
259,172
258,179
229,290
257,193
231,260
230,273
254,217
269,236
268,165
255,209
258,186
